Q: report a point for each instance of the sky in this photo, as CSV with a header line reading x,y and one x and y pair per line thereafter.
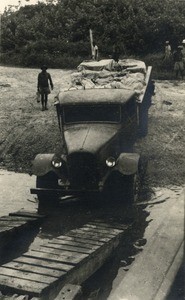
x,y
6,3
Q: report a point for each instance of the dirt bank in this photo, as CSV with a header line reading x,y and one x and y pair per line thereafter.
x,y
25,130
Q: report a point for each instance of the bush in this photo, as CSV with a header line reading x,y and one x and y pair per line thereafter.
x,y
63,61
11,59
68,61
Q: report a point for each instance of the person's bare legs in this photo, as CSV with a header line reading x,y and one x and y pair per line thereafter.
x,y
42,101
46,101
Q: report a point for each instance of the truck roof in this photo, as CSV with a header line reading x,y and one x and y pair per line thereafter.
x,y
95,96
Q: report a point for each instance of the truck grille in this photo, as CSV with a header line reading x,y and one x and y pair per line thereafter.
x,y
82,171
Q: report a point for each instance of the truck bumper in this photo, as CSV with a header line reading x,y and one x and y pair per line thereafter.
x,y
61,192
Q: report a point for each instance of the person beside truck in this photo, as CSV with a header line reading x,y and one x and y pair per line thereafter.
x,y
178,62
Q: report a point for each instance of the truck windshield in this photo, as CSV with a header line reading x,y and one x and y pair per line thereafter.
x,y
92,113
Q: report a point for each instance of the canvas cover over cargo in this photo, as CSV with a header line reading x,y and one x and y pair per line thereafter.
x,y
128,74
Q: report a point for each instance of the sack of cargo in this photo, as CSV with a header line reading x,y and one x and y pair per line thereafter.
x,y
37,97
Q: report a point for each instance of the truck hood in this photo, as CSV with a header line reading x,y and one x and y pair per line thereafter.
x,y
89,137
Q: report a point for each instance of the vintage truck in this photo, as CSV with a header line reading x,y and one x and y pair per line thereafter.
x,y
100,119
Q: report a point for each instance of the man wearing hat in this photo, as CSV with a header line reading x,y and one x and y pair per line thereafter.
x,y
44,78
167,49
183,52
178,59
167,56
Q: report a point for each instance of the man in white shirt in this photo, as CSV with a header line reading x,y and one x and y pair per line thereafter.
x,y
95,52
183,52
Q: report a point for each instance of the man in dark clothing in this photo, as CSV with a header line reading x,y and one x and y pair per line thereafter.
x,y
178,60
115,53
44,78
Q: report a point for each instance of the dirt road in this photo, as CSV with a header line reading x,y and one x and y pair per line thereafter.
x,y
15,192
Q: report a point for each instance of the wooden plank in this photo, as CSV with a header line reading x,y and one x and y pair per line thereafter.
x,y
90,235
16,297
81,232
102,229
33,261
82,240
4,230
74,243
56,256
92,231
15,218
12,223
34,269
65,256
11,284
27,214
68,248
26,275
70,292
106,225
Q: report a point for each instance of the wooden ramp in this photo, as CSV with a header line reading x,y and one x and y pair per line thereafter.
x,y
14,224
71,258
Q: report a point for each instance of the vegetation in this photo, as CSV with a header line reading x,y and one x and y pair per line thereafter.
x,y
57,32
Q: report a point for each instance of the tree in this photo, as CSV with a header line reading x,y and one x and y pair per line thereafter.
x,y
62,26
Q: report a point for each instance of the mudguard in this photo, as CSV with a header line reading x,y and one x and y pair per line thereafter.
x,y
41,165
127,163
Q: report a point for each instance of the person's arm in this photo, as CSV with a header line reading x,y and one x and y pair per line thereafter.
x,y
50,80
38,81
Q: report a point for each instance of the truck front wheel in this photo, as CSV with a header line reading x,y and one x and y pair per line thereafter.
x,y
122,188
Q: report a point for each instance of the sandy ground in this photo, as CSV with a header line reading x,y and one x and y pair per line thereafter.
x,y
25,130
15,192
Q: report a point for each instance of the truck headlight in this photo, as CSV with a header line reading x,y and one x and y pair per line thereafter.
x,y
110,162
56,163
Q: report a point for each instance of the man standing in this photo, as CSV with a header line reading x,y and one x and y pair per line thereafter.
x,y
44,78
167,50
95,52
183,52
115,53
178,60
167,56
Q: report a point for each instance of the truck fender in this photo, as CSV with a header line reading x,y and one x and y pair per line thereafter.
x,y
127,163
41,165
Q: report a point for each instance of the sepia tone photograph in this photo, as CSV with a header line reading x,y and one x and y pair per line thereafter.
x,y
92,149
